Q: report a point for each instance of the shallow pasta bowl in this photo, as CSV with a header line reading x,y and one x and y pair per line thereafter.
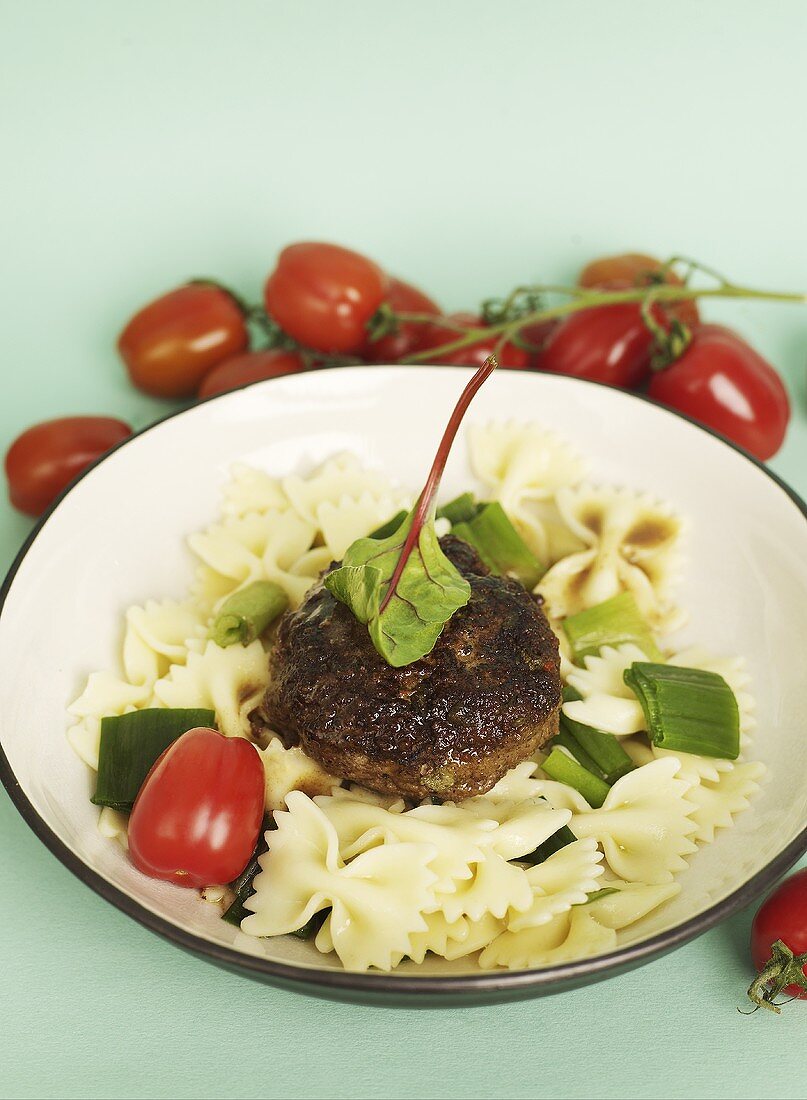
x,y
117,538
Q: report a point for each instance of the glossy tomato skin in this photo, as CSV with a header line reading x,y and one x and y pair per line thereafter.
x,y
630,269
252,366
197,817
782,916
723,383
410,336
171,344
608,344
323,295
44,460
510,355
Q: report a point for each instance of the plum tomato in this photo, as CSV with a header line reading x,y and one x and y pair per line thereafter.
x,y
723,383
510,355
631,269
44,460
608,344
323,295
411,336
198,815
172,343
782,917
252,366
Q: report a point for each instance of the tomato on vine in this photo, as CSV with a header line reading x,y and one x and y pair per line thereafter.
x,y
610,344
723,383
171,344
634,269
252,366
410,335
474,355
323,296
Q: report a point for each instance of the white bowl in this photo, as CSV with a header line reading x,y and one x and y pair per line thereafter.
x,y
117,538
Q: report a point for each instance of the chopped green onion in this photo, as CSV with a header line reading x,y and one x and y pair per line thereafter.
x,y
614,622
312,926
461,509
499,544
687,709
131,743
561,839
566,740
598,895
248,612
243,884
609,758
565,769
570,694
388,528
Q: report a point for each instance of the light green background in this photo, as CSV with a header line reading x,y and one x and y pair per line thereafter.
x,y
467,146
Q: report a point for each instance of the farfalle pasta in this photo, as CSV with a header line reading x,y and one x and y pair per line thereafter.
x,y
528,874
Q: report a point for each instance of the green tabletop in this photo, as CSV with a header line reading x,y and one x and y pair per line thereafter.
x,y
467,146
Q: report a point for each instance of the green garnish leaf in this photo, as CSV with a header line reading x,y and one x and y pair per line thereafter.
x,y
247,613
461,509
242,886
403,587
388,528
565,769
687,709
614,622
130,745
428,592
499,544
598,895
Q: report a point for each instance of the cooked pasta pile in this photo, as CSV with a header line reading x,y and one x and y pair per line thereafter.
x,y
397,881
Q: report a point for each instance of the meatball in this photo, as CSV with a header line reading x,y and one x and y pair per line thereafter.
x,y
449,725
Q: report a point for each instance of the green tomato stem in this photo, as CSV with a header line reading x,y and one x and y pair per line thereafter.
x,y
582,298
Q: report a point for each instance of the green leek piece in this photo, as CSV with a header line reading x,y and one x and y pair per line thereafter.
x,y
388,528
570,694
312,926
561,839
567,740
499,544
687,709
131,743
247,613
461,509
614,622
598,895
609,758
243,884
565,769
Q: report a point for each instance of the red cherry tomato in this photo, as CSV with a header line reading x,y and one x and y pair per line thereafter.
x,y
44,460
631,269
171,344
253,366
410,336
606,344
197,817
537,335
782,916
722,382
323,295
510,355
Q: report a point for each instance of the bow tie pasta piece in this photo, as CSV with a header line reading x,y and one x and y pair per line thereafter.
x,y
570,936
340,477
630,902
644,825
477,935
718,801
251,490
288,770
250,548
608,703
518,827
342,522
693,769
156,637
523,466
104,694
517,785
376,900
561,881
230,681
561,796
495,888
354,793
633,545
360,826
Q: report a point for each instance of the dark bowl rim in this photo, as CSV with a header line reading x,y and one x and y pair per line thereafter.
x,y
313,979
